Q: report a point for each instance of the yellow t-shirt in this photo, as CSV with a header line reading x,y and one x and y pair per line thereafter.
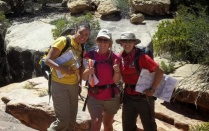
x,y
73,78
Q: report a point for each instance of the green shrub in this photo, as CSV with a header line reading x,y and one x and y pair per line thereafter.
x,y
186,37
4,22
167,68
28,85
200,127
63,23
42,93
124,6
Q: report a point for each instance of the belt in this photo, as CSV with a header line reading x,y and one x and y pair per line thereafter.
x,y
104,86
132,88
130,85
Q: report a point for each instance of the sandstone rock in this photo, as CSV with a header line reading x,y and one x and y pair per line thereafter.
x,y
137,18
151,7
79,6
106,7
32,110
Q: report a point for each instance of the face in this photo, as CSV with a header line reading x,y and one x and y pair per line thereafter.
x,y
128,45
82,35
103,43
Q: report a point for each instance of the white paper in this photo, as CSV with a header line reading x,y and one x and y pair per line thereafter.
x,y
165,88
69,55
64,57
86,66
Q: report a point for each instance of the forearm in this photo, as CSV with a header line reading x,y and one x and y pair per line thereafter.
x,y
116,77
85,75
157,79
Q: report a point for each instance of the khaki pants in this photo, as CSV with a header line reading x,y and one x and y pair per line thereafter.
x,y
65,101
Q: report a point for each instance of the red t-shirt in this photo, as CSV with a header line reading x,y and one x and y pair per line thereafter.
x,y
129,73
104,73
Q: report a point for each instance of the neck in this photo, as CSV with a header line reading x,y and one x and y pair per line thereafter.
x,y
102,51
74,38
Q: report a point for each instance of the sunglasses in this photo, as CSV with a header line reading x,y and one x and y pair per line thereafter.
x,y
127,41
103,40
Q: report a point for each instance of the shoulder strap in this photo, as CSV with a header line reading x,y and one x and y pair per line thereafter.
x,y
92,54
68,44
136,60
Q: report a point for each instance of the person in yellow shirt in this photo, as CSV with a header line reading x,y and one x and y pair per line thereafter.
x,y
65,89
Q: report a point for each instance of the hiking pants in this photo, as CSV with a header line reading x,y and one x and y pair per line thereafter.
x,y
135,106
65,101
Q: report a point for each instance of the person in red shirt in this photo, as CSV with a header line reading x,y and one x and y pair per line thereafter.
x,y
103,97
135,103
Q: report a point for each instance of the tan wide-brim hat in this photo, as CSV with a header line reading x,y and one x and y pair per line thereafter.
x,y
127,36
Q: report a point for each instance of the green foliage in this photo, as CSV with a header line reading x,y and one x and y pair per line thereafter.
x,y
186,37
42,93
167,68
63,23
124,6
200,127
3,20
28,86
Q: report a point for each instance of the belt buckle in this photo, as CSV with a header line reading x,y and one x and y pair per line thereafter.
x,y
108,86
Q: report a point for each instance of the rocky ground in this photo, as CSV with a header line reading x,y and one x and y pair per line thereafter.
x,y
9,123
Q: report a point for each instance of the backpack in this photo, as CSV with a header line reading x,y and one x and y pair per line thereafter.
x,y
108,60
144,50
45,69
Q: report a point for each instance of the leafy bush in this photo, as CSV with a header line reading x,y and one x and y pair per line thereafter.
x,y
28,85
167,68
200,127
42,93
63,23
186,37
4,22
124,6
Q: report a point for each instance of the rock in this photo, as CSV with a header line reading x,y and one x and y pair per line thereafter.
x,y
79,6
151,7
106,7
137,18
34,111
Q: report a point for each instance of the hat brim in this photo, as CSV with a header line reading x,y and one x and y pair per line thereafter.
x,y
118,40
106,36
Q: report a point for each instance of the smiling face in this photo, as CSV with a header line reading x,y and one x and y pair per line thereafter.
x,y
128,45
82,35
104,44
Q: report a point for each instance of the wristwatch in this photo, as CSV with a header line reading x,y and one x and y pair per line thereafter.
x,y
152,89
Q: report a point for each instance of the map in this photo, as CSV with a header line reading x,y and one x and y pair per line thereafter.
x,y
165,88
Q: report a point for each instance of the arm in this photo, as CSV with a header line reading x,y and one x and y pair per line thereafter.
x,y
117,74
49,60
87,72
158,76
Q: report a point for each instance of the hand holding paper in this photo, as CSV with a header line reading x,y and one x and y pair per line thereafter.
x,y
89,63
165,88
92,76
65,58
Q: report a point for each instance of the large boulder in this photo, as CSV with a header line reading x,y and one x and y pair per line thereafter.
x,y
28,101
151,7
106,7
25,44
79,6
